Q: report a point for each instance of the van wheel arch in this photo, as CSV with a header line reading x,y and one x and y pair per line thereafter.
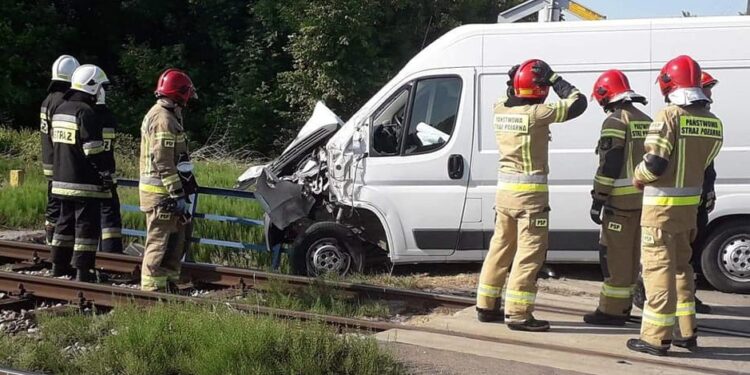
x,y
727,236
326,247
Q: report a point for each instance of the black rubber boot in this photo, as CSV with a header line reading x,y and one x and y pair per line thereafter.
x,y
60,270
601,319
86,276
489,316
689,343
701,307
530,325
639,345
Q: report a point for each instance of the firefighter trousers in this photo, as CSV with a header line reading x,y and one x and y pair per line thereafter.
x,y
668,280
619,258
111,241
51,213
165,247
517,250
77,233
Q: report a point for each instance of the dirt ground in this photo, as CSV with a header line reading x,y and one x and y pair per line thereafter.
x,y
461,279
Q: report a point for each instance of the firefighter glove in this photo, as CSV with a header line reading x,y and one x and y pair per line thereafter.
x,y
180,206
596,211
544,74
710,201
107,181
512,75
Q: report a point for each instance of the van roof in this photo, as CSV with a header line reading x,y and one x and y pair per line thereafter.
x,y
462,33
464,45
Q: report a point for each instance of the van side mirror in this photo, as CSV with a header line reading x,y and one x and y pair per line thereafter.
x,y
359,146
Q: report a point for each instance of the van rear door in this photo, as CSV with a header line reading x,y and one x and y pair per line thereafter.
x,y
417,166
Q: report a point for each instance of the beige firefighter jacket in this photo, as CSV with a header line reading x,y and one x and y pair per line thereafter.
x,y
623,131
523,135
689,138
162,142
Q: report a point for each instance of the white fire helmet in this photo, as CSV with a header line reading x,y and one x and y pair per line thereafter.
x,y
63,68
89,79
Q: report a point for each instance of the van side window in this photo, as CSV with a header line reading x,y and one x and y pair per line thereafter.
x,y
388,124
433,114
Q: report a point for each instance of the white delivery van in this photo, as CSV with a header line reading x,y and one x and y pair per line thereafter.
x,y
411,176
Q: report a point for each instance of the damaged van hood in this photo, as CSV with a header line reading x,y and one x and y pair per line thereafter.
x,y
321,125
296,182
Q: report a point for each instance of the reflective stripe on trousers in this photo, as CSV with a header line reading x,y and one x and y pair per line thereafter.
x,y
108,233
520,297
685,309
661,320
617,292
153,282
489,291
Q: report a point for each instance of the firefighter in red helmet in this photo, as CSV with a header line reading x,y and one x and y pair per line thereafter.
x,y
616,203
708,199
166,180
521,122
683,140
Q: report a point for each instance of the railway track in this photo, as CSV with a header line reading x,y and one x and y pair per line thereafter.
x,y
230,277
86,294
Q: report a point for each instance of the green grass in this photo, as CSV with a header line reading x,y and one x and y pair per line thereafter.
x,y
23,207
186,339
317,298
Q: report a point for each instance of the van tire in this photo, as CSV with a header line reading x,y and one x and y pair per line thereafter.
x,y
326,245
725,257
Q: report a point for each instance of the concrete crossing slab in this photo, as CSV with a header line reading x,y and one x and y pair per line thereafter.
x,y
575,346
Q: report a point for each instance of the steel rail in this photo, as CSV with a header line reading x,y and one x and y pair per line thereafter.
x,y
233,277
111,296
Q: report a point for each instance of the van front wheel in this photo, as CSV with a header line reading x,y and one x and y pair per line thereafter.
x,y
726,258
326,248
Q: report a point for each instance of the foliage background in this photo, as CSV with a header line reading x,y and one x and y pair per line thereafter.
x,y
259,65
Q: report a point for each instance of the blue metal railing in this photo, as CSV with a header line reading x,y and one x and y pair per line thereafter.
x,y
227,193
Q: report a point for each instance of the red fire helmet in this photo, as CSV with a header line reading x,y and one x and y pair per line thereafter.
x,y
524,85
609,85
679,73
176,85
708,81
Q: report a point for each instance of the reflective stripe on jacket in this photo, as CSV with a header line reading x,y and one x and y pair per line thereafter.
x,y
48,107
522,134
162,142
689,138
620,147
76,134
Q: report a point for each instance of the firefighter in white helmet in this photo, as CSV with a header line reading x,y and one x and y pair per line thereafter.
x,y
111,238
80,178
62,71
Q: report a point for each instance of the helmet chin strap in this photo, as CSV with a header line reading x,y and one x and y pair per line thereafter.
x,y
101,97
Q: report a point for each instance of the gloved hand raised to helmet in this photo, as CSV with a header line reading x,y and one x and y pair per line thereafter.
x,y
512,75
545,76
